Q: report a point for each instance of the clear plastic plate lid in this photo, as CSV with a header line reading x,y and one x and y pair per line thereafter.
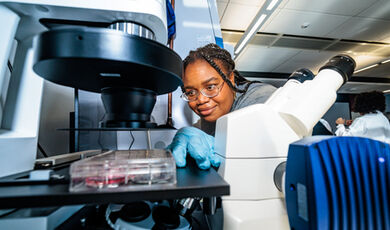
x,y
123,169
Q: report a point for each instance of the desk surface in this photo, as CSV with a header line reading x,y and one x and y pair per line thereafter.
x,y
191,182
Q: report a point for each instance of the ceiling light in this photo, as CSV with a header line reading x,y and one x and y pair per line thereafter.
x,y
272,4
264,12
250,34
366,68
386,61
372,66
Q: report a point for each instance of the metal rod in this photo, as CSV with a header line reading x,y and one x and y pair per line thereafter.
x,y
149,140
169,118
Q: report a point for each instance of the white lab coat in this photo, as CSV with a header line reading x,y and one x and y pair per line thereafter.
x,y
372,125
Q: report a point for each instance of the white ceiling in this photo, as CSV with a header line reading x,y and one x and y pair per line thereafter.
x,y
332,24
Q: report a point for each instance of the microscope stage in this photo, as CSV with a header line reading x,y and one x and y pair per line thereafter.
x,y
94,58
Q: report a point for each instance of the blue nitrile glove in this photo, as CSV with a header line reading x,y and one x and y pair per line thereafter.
x,y
198,144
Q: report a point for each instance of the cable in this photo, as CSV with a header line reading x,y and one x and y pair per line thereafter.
x,y
132,141
42,151
10,70
10,66
7,212
100,143
207,221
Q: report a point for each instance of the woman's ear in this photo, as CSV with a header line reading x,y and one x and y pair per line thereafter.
x,y
231,78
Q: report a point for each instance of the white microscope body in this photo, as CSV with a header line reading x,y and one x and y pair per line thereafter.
x,y
254,140
21,91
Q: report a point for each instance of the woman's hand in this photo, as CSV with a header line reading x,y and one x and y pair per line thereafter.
x,y
340,121
198,144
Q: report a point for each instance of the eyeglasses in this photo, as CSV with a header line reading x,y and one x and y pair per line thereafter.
x,y
208,91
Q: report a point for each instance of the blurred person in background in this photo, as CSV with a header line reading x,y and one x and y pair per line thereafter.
x,y
372,123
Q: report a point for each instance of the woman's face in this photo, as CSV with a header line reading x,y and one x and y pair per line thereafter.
x,y
199,75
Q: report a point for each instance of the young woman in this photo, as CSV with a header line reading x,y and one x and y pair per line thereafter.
x,y
212,87
372,124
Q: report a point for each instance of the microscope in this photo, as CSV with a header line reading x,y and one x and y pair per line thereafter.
x,y
116,49
253,143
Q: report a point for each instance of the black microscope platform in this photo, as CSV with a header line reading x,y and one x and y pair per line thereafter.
x,y
191,182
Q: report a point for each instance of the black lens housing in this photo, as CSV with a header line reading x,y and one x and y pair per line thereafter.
x,y
127,107
343,64
301,75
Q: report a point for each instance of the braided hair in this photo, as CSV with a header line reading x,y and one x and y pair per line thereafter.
x,y
213,54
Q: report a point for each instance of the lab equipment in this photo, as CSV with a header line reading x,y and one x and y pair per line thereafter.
x,y
281,97
198,144
129,73
94,45
37,218
145,215
123,170
65,158
109,47
338,183
254,141
82,45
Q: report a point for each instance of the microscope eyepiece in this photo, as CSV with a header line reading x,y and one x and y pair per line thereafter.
x,y
301,75
343,64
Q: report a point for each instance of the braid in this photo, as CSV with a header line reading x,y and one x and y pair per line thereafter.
x,y
242,80
212,53
216,67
